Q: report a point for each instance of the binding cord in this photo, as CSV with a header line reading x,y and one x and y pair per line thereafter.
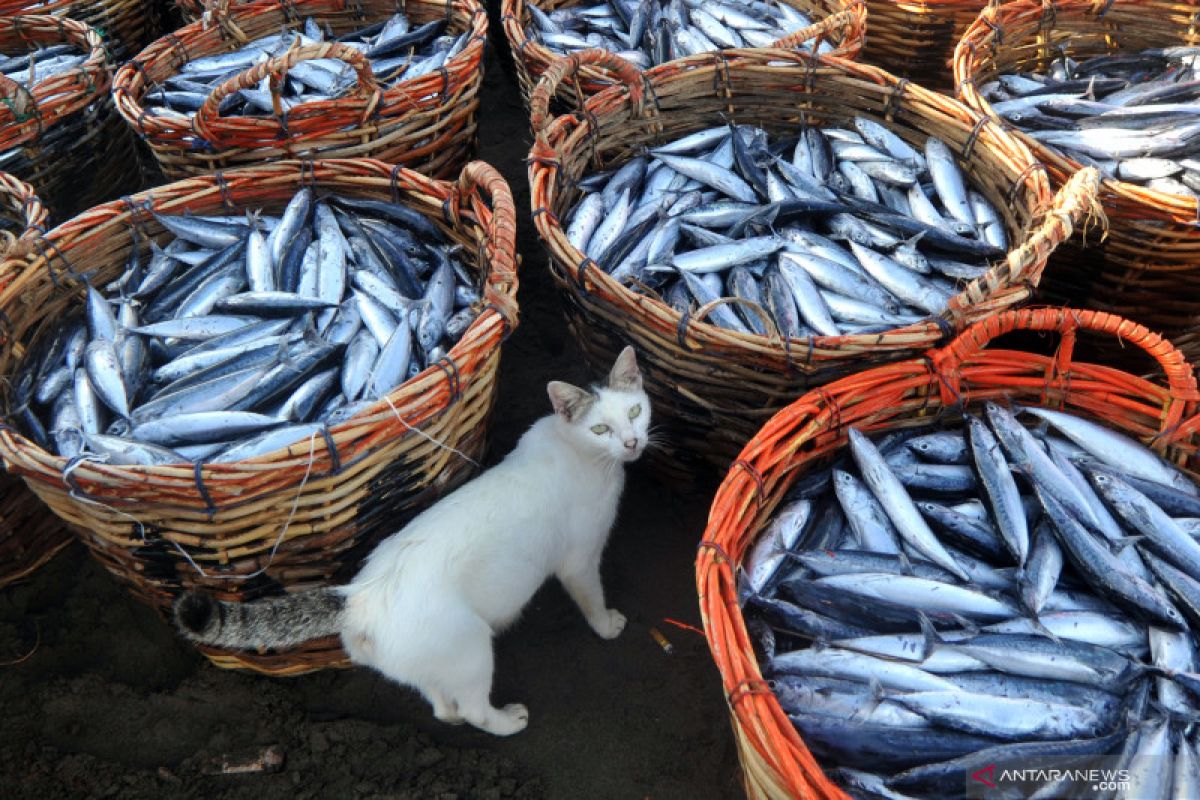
x,y
420,432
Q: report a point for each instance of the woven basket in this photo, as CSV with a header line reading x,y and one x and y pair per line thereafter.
x,y
775,760
126,25
427,124
713,387
840,22
74,150
303,516
30,534
1148,268
915,39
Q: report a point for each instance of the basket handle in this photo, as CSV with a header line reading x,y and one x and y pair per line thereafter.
x,y
948,360
1075,204
568,66
819,29
501,224
22,105
277,67
33,215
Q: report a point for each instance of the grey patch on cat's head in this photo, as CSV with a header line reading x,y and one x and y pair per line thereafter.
x,y
570,402
625,375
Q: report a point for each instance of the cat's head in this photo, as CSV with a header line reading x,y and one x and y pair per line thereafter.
x,y
611,420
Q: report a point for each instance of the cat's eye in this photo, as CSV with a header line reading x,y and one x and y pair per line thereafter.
x,y
599,430
633,412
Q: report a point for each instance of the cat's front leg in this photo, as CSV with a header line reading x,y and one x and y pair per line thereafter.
x,y
586,590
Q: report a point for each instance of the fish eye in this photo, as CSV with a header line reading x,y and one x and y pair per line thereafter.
x,y
599,430
633,412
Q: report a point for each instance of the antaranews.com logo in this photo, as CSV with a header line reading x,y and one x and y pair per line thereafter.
x,y
1067,777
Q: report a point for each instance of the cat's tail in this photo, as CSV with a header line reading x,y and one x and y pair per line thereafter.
x,y
276,622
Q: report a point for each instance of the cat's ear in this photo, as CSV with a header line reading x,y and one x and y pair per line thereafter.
x,y
625,375
570,402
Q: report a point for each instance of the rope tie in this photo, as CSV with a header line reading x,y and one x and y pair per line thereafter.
x,y
973,139
756,476
447,365
198,476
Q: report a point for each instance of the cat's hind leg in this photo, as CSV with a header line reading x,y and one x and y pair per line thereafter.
x,y
451,664
444,708
467,681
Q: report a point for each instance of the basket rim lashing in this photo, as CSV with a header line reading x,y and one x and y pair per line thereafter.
x,y
1017,22
213,513
391,123
26,112
123,24
628,116
843,24
917,391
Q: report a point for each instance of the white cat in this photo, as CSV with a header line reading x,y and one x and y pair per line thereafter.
x,y
424,608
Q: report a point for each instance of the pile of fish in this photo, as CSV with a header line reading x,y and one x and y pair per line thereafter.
x,y
835,231
939,600
29,69
42,63
1134,116
396,50
650,33
243,336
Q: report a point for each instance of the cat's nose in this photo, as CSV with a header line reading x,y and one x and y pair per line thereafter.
x,y
631,444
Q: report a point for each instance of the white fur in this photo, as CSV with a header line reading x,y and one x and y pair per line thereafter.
x,y
424,608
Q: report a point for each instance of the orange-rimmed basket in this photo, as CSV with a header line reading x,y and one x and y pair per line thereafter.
x,y
30,534
302,516
915,39
72,147
712,388
125,25
963,374
427,124
1148,266
841,23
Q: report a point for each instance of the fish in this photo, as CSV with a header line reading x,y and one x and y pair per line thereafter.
x,y
896,501
1066,648
396,52
824,258
650,33
227,357
1132,114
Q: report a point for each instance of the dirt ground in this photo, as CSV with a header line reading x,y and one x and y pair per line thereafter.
x,y
99,698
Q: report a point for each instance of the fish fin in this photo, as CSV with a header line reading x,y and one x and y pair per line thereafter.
x,y
911,242
1042,630
876,696
905,565
1119,545
967,625
1171,713
745,592
932,637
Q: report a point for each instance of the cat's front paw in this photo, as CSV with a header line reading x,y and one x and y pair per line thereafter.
x,y
609,624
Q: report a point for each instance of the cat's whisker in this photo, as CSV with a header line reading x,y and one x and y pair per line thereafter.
x,y
656,438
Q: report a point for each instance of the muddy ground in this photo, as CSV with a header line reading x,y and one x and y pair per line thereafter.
x,y
99,698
